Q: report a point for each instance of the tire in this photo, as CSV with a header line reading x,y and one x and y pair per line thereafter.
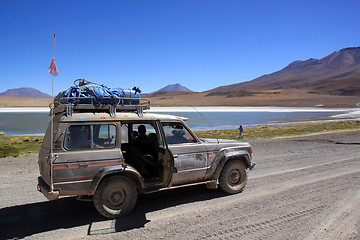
x,y
115,197
233,177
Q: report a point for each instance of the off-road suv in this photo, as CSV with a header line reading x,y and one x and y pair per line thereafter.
x,y
113,157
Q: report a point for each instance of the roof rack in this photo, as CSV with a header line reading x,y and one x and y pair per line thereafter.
x,y
111,104
88,96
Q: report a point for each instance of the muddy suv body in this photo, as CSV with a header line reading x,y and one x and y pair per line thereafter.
x,y
111,158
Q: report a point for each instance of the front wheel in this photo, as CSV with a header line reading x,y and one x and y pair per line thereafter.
x,y
233,177
116,196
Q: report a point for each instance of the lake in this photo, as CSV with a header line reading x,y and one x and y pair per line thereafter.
x,y
34,121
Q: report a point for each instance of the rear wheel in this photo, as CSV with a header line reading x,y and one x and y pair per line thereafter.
x,y
233,177
116,196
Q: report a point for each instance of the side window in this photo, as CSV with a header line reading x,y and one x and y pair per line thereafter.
x,y
140,133
90,136
78,137
124,133
143,131
57,139
104,136
176,133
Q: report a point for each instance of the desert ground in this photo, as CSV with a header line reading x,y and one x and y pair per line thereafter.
x,y
24,102
301,188
281,98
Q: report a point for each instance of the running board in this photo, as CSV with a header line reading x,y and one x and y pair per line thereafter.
x,y
211,184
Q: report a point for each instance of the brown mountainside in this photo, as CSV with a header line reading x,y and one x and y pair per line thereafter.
x,y
174,88
335,74
24,92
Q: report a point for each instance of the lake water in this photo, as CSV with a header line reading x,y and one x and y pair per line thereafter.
x,y
22,122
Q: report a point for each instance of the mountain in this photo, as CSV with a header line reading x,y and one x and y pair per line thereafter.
x,y
335,74
24,92
174,88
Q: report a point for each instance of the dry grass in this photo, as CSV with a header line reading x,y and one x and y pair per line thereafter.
x,y
264,132
25,145
24,102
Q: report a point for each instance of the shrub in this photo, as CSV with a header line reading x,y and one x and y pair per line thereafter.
x,y
14,141
9,151
27,139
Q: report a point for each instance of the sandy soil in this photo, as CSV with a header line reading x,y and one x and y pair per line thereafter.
x,y
282,98
24,102
301,188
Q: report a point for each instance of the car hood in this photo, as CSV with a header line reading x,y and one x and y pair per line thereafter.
x,y
222,144
212,140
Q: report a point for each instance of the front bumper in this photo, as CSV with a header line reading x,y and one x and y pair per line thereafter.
x,y
252,166
45,189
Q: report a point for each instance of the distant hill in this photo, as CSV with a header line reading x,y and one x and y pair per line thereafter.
x,y
174,88
335,74
24,92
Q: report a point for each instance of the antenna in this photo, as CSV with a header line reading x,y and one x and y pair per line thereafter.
x,y
217,138
54,72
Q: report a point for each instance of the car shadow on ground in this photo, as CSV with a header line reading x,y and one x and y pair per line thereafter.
x,y
25,220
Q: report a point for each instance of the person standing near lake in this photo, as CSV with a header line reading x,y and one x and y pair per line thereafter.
x,y
241,131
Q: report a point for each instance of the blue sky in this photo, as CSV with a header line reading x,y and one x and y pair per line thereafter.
x,y
201,44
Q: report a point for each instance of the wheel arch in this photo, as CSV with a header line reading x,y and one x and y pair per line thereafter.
x,y
107,172
242,156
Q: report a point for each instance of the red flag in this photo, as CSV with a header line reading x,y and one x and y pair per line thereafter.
x,y
53,69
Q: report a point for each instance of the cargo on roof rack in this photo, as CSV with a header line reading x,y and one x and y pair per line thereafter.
x,y
89,96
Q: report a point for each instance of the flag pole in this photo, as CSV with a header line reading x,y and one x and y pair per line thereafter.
x,y
52,127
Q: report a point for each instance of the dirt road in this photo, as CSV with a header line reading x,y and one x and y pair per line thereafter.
x,y
302,188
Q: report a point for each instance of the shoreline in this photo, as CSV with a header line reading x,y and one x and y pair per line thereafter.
x,y
24,109
205,109
329,115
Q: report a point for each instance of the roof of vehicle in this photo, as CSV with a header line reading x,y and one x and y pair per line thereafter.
x,y
104,116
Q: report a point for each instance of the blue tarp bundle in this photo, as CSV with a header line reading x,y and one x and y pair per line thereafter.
x,y
97,94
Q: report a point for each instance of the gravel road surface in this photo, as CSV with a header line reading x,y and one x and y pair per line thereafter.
x,y
301,188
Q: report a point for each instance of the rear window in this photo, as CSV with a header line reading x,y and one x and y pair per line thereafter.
x,y
90,136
